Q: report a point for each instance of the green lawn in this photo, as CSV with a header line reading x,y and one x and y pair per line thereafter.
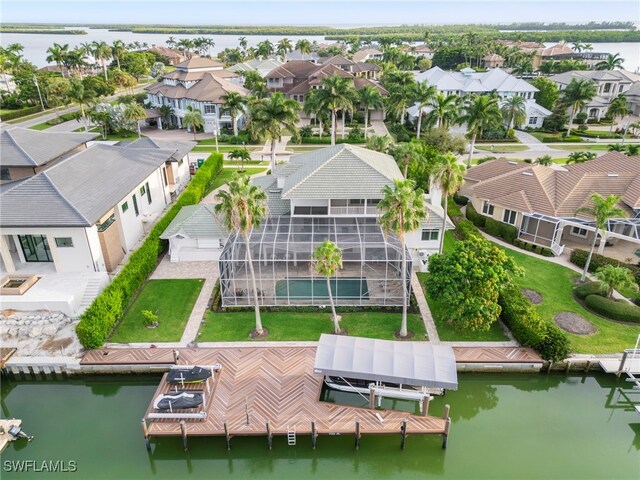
x,y
171,300
225,175
555,284
221,148
596,146
40,126
447,332
502,148
290,326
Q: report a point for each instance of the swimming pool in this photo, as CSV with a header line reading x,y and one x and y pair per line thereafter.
x,y
307,288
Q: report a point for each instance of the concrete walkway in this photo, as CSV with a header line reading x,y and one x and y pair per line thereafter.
x,y
379,128
425,312
181,270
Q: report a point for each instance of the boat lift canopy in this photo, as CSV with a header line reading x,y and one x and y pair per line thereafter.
x,y
409,363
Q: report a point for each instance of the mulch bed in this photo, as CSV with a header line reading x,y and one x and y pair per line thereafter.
x,y
532,295
574,323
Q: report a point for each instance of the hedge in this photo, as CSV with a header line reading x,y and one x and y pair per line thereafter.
x,y
460,199
615,310
327,140
477,219
465,229
590,288
526,325
97,321
23,112
544,251
579,257
503,230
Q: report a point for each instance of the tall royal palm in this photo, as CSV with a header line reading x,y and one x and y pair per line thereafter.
x,y
449,174
618,108
304,46
134,112
235,103
57,54
514,111
370,98
577,94
264,49
272,117
284,47
480,113
82,96
602,210
400,87
337,93
193,119
327,261
243,207
313,105
242,41
423,94
403,209
102,52
444,110
611,62
118,49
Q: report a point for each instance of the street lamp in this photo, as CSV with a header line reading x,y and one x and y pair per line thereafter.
x,y
35,80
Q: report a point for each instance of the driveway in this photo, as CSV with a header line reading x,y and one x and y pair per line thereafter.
x,y
379,128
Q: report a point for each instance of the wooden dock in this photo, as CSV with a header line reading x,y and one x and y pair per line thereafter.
x,y
5,438
273,391
5,355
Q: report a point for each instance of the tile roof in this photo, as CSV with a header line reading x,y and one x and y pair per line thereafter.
x,y
210,88
81,189
199,62
560,193
596,75
196,221
365,53
24,147
492,79
276,204
180,149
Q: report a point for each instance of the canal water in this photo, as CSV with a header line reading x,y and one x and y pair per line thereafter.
x,y
503,426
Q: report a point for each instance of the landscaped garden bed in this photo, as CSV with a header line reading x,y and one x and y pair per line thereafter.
x,y
172,302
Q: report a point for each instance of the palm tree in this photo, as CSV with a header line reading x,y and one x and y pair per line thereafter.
x,y
171,42
544,160
611,63
304,46
578,46
57,54
400,87
577,94
284,47
235,103
166,112
75,61
240,155
369,98
379,143
327,260
80,95
264,48
444,109
193,119
449,173
423,94
185,44
405,154
603,209
480,113
118,49
273,116
134,112
615,147
514,111
618,108
102,52
547,67
337,93
616,278
242,41
313,105
243,207
403,209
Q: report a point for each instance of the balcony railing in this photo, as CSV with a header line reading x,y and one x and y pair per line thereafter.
x,y
353,210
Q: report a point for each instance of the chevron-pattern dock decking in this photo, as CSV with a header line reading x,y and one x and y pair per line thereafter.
x,y
496,355
278,384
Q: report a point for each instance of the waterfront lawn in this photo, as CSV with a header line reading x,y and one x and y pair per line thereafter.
x,y
447,333
555,283
292,326
172,300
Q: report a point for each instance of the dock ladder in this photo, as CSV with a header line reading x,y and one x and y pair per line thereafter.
x,y
291,435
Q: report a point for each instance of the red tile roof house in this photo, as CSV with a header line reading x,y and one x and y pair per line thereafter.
x,y
542,202
199,83
296,78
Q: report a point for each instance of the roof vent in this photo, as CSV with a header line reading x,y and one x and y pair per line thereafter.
x,y
528,174
513,163
612,175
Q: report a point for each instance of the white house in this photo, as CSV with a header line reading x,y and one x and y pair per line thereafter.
x,y
199,83
468,81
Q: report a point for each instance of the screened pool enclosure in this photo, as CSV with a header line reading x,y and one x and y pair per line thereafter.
x,y
281,250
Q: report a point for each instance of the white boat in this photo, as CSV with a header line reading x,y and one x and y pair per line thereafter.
x,y
392,390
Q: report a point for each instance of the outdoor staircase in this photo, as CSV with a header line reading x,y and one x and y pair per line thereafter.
x,y
291,435
91,291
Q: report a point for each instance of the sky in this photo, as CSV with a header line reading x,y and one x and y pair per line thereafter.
x,y
316,12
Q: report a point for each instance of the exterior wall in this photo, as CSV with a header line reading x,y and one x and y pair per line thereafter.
x,y
110,241
195,250
498,212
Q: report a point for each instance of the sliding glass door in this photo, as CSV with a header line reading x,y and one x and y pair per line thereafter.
x,y
35,248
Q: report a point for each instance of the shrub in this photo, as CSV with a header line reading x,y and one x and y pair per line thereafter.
x,y
149,318
522,318
503,230
23,112
327,140
581,118
590,288
615,310
453,209
460,199
579,257
97,321
465,229
477,219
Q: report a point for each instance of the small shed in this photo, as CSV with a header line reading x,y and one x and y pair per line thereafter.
x,y
195,234
409,363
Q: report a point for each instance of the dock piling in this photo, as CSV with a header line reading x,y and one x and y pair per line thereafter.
x,y
145,430
447,426
183,430
269,435
176,356
357,435
226,435
425,406
372,398
314,434
403,431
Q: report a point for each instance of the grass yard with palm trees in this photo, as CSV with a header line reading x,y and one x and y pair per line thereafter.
x,y
292,326
226,174
171,300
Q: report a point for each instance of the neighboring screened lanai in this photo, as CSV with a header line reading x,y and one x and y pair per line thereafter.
x,y
282,249
409,363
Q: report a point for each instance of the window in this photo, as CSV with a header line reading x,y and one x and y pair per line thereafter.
x,y
5,174
621,89
142,191
579,232
533,120
430,235
164,176
107,223
209,108
180,162
64,242
148,193
607,87
125,207
509,217
356,201
310,211
487,208
135,205
35,248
